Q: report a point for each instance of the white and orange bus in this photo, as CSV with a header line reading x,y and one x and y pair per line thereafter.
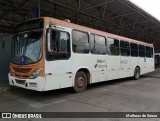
x,y
50,54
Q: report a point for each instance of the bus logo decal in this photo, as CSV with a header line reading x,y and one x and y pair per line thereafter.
x,y
100,64
22,59
95,66
124,61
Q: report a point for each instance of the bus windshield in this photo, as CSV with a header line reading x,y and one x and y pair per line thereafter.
x,y
26,47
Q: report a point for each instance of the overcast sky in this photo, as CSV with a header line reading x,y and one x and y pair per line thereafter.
x,y
150,6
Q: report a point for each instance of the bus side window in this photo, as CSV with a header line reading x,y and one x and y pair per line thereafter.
x,y
152,52
54,43
113,46
125,48
148,52
134,49
80,42
141,51
98,44
60,45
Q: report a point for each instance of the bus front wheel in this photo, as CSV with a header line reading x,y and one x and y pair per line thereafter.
x,y
80,83
137,73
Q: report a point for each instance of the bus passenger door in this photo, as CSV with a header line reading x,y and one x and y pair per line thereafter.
x,y
58,60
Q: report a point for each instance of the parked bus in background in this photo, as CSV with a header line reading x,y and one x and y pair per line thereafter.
x,y
50,54
157,60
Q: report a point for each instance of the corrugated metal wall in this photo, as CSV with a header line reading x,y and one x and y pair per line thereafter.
x,y
5,49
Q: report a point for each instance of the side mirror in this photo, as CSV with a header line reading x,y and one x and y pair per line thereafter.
x,y
49,35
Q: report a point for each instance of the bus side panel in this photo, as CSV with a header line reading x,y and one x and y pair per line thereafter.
x,y
142,64
58,74
149,65
95,64
125,67
113,67
98,68
134,63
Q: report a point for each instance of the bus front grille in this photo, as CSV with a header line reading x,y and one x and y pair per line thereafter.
x,y
22,70
20,81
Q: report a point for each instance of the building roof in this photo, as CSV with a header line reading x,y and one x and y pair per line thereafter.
x,y
119,17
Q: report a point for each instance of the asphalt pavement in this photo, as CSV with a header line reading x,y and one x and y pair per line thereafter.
x,y
122,95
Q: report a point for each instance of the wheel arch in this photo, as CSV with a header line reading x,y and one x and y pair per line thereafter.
x,y
87,72
135,69
138,67
137,73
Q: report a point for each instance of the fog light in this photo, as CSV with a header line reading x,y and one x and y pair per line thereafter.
x,y
12,82
26,84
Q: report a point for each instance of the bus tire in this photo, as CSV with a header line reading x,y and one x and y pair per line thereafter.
x,y
80,83
136,73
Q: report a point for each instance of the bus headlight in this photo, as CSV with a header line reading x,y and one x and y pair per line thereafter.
x,y
36,73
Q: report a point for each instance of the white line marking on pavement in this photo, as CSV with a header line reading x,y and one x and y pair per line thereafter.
x,y
33,103
59,101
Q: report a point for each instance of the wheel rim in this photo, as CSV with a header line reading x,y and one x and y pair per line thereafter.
x,y
80,81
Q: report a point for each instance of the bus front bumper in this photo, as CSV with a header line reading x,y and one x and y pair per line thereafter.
x,y
31,84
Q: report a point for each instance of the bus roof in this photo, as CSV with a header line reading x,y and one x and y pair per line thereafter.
x,y
90,30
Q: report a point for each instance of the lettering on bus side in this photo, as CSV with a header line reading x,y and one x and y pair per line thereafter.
x,y
100,64
100,61
124,61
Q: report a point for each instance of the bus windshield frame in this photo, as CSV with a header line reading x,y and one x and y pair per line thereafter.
x,y
27,42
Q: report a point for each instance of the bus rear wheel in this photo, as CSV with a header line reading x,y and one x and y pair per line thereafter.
x,y
80,83
137,73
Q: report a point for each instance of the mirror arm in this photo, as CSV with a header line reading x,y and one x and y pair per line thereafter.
x,y
49,40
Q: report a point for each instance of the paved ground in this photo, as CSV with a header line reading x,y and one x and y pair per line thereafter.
x,y
124,95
